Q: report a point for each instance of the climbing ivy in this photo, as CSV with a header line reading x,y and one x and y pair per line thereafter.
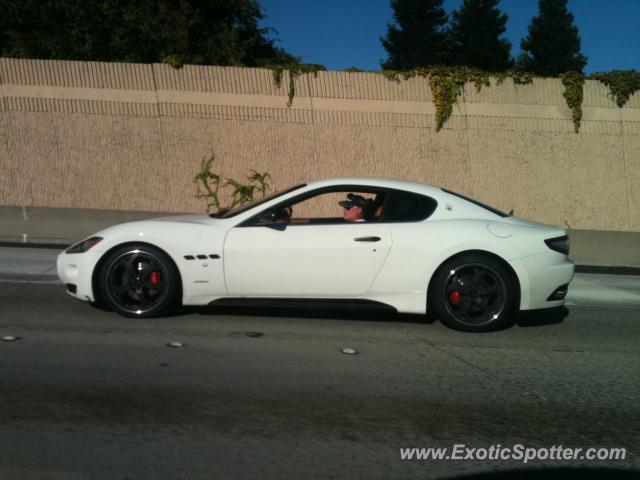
x,y
210,184
573,94
447,83
173,60
295,70
446,86
622,84
518,77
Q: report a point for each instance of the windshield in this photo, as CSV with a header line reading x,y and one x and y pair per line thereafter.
x,y
248,206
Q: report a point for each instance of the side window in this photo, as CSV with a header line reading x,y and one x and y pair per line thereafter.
x,y
330,207
355,204
320,208
408,207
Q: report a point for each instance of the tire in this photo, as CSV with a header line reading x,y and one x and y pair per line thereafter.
x,y
138,281
473,293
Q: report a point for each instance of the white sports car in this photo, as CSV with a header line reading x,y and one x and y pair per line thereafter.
x,y
413,247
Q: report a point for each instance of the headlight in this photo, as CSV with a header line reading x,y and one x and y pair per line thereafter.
x,y
84,245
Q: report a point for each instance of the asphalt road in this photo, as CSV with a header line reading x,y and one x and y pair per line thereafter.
x,y
86,394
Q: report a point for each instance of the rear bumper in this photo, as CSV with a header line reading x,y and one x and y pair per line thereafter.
x,y
540,276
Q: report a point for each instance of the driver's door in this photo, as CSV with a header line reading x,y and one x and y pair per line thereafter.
x,y
304,260
307,257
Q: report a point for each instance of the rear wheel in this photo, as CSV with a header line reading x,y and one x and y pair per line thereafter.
x,y
473,293
138,281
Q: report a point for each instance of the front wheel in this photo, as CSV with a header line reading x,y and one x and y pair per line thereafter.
x,y
473,293
138,281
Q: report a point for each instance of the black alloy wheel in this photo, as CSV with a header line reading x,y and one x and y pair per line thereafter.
x,y
473,293
138,281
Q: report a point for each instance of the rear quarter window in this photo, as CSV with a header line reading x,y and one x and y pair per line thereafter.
x,y
408,207
479,204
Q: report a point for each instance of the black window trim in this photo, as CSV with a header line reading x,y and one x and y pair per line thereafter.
x,y
477,203
387,191
314,193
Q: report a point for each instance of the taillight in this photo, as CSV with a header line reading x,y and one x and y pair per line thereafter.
x,y
559,244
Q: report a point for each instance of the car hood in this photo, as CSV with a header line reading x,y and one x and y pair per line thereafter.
x,y
165,232
193,219
160,226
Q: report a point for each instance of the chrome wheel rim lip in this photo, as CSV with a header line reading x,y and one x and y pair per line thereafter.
x,y
490,306
111,283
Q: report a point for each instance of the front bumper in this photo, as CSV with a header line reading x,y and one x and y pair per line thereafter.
x,y
75,270
540,276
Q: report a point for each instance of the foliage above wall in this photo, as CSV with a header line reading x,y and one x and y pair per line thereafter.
x,y
622,83
447,83
574,93
173,60
295,70
196,32
553,44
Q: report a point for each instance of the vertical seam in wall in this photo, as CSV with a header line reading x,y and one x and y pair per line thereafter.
x,y
4,122
313,120
3,95
626,173
466,127
159,116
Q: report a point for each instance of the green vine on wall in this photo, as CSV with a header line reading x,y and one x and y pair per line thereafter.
x,y
622,84
173,60
210,185
446,86
573,94
295,70
447,83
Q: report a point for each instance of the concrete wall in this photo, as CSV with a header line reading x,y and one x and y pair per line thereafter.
x,y
131,137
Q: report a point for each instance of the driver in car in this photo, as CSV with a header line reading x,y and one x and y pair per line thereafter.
x,y
354,207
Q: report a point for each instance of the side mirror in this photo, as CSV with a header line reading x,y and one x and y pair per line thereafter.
x,y
270,219
267,217
281,227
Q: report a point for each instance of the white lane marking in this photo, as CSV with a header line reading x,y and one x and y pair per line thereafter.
x,y
45,282
617,306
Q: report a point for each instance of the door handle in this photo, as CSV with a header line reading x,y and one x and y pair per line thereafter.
x,y
367,239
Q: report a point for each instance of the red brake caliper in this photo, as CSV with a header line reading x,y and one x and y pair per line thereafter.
x,y
455,296
154,278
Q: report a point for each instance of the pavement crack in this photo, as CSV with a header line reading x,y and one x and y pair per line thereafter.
x,y
453,355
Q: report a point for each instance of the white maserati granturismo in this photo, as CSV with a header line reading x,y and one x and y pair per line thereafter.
x,y
415,248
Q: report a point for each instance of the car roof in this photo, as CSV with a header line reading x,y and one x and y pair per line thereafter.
x,y
378,182
465,206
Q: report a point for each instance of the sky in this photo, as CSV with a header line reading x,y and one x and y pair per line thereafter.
x,y
340,34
